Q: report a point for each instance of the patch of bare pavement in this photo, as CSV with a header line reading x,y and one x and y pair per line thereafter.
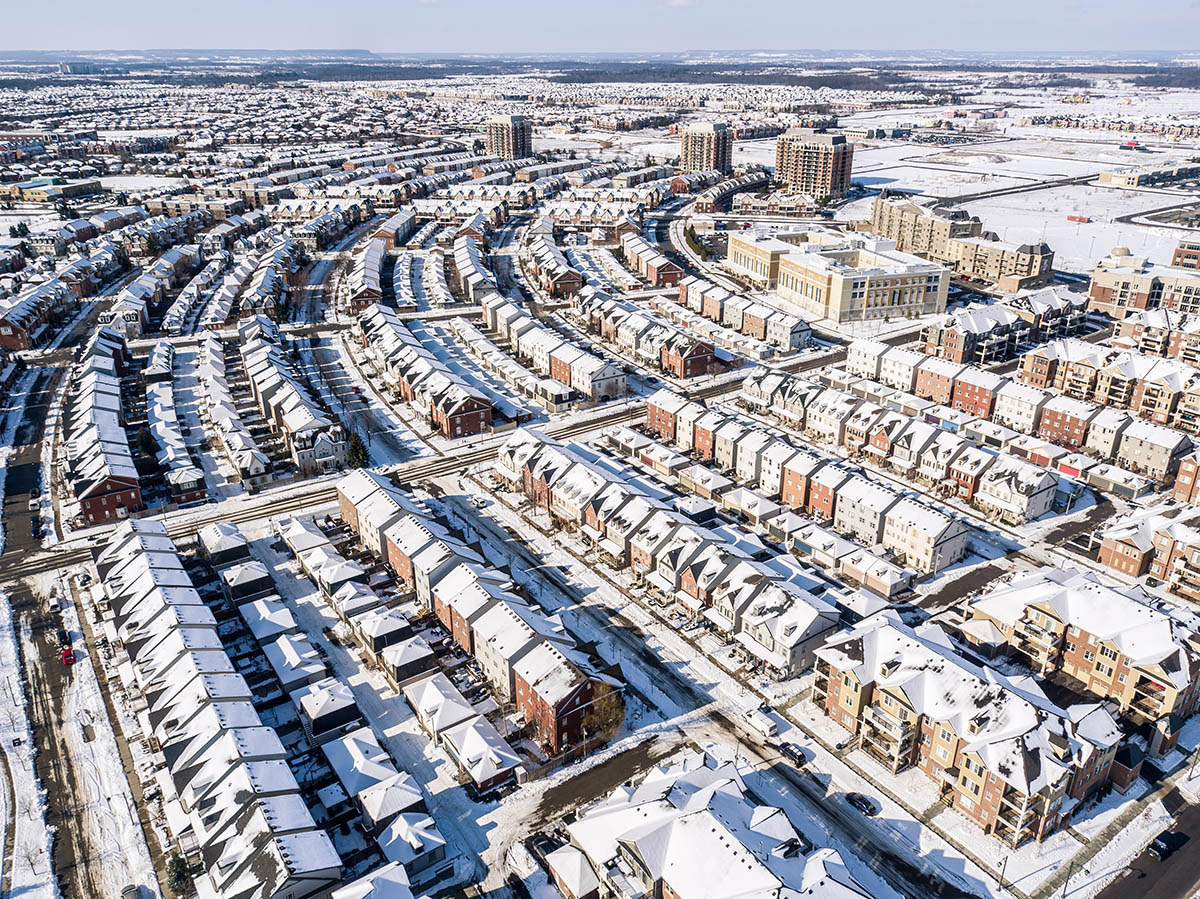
x,y
601,779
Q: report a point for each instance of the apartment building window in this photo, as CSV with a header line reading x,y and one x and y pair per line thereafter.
x,y
943,754
946,735
1109,653
1122,678
848,699
1089,655
1070,646
1105,670
966,803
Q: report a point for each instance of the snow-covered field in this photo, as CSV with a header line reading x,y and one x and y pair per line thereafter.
x,y
1025,217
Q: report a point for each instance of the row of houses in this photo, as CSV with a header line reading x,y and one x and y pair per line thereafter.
x,y
315,440
771,604
529,657
1163,390
1070,424
869,511
734,343
648,262
253,833
754,318
714,198
100,466
552,395
917,443
593,378
475,278
646,336
455,406
184,478
131,309
241,449
982,334
708,490
553,273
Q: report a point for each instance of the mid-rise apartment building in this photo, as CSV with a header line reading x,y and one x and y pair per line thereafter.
x,y
509,137
1001,753
1108,640
707,147
814,162
953,237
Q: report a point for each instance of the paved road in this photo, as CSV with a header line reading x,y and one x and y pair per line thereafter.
x,y
1177,877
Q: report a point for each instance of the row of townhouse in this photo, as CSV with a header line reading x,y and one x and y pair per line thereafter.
x,y
389,802
225,421
647,337
233,800
1016,764
771,604
596,379
754,318
100,465
529,657
715,198
553,273
316,441
29,318
648,262
1165,333
455,406
1075,426
733,342
458,211
982,334
474,277
682,831
131,309
396,229
615,219
184,478
225,235
363,286
706,490
149,237
322,230
552,395
866,510
269,285
915,438
58,241
1113,643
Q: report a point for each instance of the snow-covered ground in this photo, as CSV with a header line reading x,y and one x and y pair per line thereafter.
x,y
119,853
23,798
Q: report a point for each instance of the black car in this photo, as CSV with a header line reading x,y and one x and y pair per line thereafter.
x,y
793,754
863,803
1161,846
63,638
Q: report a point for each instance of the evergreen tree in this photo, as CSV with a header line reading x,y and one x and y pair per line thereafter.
x,y
357,456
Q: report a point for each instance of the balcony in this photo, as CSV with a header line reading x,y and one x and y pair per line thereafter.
x,y
881,720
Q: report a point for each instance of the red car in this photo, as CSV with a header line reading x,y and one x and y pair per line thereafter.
x,y
68,656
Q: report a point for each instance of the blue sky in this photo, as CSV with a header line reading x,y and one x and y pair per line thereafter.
x,y
609,25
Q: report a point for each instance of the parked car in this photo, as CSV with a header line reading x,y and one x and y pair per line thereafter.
x,y
793,754
760,723
864,804
68,656
64,639
1161,846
